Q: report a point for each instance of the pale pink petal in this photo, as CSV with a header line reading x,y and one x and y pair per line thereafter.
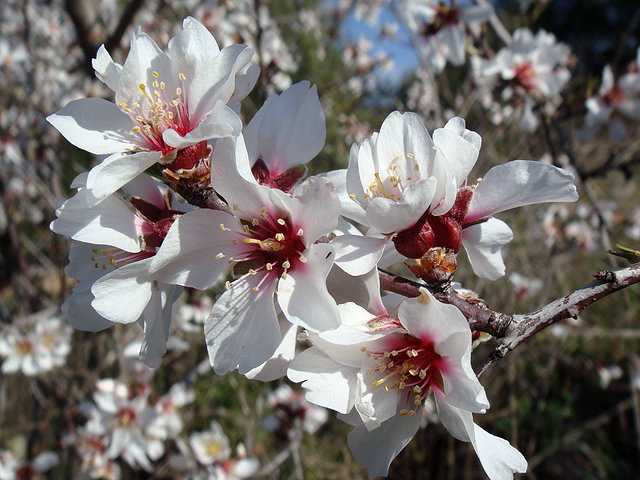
x,y
156,323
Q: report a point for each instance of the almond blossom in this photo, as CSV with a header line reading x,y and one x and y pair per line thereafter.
x,y
120,416
615,101
394,175
167,105
269,239
530,71
114,242
378,371
35,345
440,28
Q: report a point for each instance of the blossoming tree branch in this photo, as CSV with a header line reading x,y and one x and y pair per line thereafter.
x,y
189,194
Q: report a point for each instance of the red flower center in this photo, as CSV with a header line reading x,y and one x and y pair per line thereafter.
x,y
412,365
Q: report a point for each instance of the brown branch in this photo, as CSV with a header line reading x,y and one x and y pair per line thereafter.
x,y
514,329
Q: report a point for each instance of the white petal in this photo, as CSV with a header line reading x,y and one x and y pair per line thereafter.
x,y
288,130
116,171
106,69
122,295
95,125
425,316
358,254
387,216
519,183
242,331
377,449
484,243
498,458
82,316
276,366
326,382
303,294
111,222
349,207
189,253
156,322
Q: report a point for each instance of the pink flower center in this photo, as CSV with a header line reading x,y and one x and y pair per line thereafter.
x,y
162,111
445,16
412,365
613,97
283,181
525,76
153,223
273,245
126,417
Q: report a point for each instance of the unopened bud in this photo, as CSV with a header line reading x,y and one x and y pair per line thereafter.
x,y
436,267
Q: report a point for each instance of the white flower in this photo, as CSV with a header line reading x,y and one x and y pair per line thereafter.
x,y
379,370
289,408
615,100
40,346
413,189
211,446
287,132
115,241
164,103
120,416
530,70
270,240
440,28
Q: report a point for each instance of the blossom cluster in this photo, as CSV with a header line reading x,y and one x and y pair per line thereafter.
x,y
233,208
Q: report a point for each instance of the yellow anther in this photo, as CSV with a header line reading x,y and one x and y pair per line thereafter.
x,y
393,166
234,242
404,412
413,372
136,129
140,118
252,271
412,413
281,221
283,276
303,259
269,266
222,227
246,229
255,222
219,256
235,206
227,285
280,237
299,233
412,353
410,155
256,289
386,389
181,76
286,264
363,349
417,389
352,196
416,167
162,85
178,91
155,84
155,74
423,374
